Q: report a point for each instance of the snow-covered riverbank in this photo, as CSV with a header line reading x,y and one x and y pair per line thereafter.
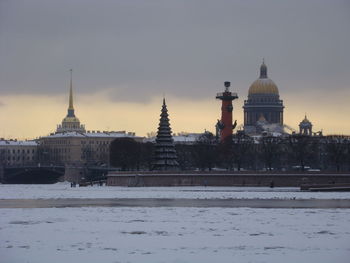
x,y
63,190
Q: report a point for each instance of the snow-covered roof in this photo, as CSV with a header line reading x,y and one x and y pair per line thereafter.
x,y
189,138
180,138
17,143
112,134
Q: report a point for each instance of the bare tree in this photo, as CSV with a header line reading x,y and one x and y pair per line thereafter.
x,y
241,148
303,149
336,151
125,154
270,151
205,151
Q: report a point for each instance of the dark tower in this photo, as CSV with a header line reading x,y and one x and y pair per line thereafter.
x,y
165,154
225,124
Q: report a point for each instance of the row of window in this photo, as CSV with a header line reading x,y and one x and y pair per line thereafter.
x,y
60,150
97,142
57,142
18,158
18,151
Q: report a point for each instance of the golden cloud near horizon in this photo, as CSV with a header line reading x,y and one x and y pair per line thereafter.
x,y
28,117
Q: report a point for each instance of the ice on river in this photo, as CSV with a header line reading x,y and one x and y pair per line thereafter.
x,y
222,235
63,190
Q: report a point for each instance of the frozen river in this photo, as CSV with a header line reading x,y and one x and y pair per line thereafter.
x,y
171,234
174,235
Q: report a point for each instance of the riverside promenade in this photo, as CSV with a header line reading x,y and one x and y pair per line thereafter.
x,y
215,178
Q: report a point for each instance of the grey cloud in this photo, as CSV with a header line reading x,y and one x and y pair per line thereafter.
x,y
183,48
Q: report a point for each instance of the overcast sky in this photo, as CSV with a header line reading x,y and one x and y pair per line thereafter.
x,y
134,51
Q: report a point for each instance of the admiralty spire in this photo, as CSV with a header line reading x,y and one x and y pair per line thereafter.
x,y
70,123
165,157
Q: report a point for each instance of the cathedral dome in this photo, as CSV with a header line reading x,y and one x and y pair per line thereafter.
x,y
70,119
263,85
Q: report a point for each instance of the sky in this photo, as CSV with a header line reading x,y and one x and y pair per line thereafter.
x,y
127,54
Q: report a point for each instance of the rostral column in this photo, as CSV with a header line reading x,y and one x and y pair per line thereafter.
x,y
225,125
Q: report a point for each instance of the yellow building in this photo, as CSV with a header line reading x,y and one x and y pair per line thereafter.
x,y
74,147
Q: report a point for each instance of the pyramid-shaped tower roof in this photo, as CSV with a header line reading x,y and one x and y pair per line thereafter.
x,y
165,157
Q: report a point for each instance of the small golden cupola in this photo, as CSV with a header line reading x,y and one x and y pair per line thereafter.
x,y
305,127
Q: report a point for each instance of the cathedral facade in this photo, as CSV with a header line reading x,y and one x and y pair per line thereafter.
x,y
263,110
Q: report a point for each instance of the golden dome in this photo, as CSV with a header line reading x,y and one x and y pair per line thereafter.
x,y
263,85
70,119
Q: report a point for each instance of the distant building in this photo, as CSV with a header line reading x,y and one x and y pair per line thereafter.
x,y
305,127
18,153
186,138
263,110
74,148
179,138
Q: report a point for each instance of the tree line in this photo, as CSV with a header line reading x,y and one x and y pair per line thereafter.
x,y
242,152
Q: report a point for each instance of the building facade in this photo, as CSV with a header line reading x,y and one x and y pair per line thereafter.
x,y
77,149
18,153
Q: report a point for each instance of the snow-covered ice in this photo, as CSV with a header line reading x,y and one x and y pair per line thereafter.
x,y
171,234
63,190
174,235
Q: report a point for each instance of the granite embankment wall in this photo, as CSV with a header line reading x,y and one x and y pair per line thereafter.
x,y
224,179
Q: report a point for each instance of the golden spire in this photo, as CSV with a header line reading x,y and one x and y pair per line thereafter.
x,y
71,92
